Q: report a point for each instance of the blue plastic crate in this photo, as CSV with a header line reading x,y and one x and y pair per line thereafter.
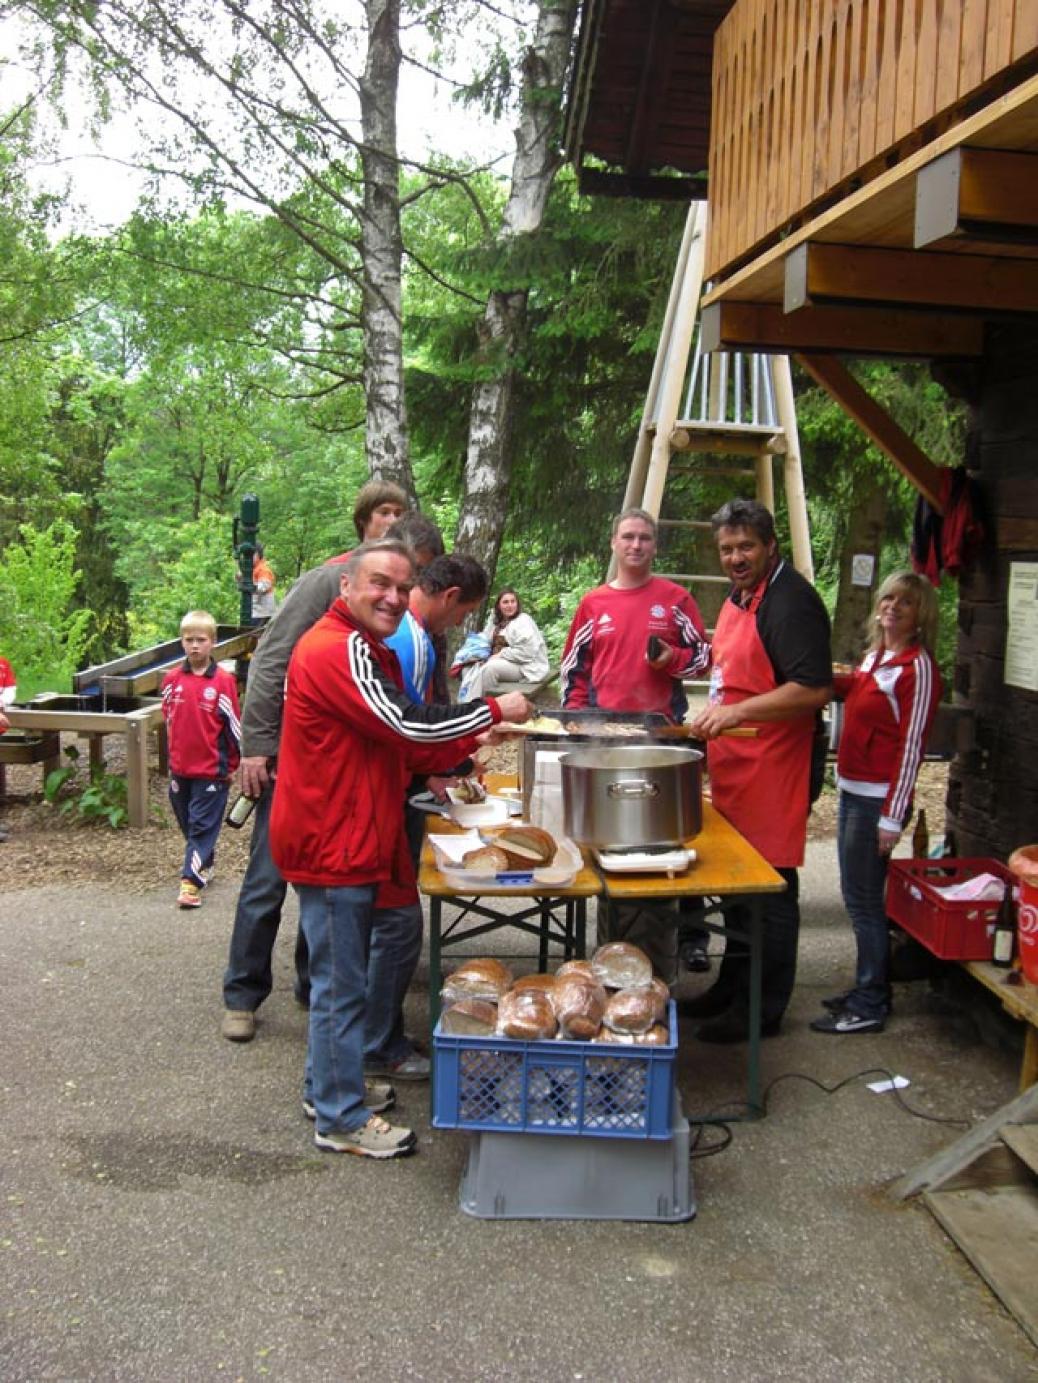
x,y
503,1085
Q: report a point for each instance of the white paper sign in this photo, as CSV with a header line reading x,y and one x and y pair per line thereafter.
x,y
863,569
1021,667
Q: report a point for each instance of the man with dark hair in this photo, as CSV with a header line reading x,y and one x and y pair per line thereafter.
x,y
772,670
351,739
447,590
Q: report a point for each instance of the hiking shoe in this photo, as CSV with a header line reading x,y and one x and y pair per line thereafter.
x,y
413,1067
375,1139
846,1021
379,1096
190,895
239,1024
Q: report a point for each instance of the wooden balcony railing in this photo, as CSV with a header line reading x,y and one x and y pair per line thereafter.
x,y
807,94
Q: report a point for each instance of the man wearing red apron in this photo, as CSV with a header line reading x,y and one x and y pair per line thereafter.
x,y
772,671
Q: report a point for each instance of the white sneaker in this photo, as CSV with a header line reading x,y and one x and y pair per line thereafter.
x,y
375,1139
379,1096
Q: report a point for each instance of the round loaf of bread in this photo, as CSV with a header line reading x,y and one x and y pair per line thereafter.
x,y
615,1039
526,1014
574,967
662,993
488,859
630,1010
483,977
544,984
527,847
579,1005
619,965
657,1036
470,1018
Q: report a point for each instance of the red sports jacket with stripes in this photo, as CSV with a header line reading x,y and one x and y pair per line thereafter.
x,y
350,742
889,708
203,723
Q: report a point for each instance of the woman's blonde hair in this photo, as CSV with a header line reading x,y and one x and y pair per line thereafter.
x,y
925,597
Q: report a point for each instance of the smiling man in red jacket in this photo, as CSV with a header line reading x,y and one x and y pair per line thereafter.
x,y
351,739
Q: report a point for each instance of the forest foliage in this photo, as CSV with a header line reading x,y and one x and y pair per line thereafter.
x,y
151,376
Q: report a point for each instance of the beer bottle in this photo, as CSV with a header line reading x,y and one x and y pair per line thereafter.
x,y
241,811
921,837
1005,931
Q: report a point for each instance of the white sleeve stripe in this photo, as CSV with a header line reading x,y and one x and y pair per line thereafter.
x,y
373,693
569,664
913,750
227,707
693,639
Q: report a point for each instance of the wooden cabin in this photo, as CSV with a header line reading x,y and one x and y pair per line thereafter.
x,y
871,168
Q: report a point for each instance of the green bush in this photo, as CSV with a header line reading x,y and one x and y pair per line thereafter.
x,y
40,634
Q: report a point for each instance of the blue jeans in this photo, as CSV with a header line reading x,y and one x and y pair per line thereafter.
x,y
248,979
362,959
863,878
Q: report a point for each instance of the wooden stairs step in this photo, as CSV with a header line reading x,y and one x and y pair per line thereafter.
x,y
1023,1140
997,1229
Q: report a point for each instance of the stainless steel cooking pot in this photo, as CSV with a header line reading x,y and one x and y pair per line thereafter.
x,y
631,796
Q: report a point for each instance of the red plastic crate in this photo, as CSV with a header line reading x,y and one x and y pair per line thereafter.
x,y
951,930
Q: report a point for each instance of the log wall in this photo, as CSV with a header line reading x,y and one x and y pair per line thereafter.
x,y
993,790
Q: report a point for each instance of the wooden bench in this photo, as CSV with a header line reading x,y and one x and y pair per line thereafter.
x,y
1019,1000
20,747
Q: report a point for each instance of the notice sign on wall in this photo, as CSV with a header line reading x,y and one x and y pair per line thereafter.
x,y
1022,626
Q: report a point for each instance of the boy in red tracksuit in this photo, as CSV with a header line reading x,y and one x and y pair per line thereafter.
x,y
8,692
200,706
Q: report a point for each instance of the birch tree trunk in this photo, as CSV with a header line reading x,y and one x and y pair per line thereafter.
x,y
386,442
502,334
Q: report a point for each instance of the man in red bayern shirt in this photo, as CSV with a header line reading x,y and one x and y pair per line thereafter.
x,y
608,663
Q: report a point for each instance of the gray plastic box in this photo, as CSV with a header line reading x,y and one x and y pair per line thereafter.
x,y
531,1176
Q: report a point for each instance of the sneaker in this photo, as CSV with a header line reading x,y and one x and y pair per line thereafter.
x,y
239,1024
836,1003
379,1096
190,895
846,1021
413,1067
375,1139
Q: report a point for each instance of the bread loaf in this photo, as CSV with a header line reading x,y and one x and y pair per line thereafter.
x,y
619,965
662,993
527,847
527,1014
470,1018
657,1036
480,978
488,859
616,1039
574,967
544,984
579,1004
631,1010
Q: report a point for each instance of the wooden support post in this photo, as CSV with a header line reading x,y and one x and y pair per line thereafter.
x,y
95,752
162,740
944,1164
796,500
893,441
765,478
137,769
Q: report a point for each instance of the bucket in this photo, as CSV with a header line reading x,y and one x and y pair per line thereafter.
x,y
1024,864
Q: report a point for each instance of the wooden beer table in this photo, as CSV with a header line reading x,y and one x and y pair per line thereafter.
x,y
553,914
727,868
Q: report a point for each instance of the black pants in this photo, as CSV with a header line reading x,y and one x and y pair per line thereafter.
x,y
781,923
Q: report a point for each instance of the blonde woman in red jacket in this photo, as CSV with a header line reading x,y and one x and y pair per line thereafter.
x,y
890,700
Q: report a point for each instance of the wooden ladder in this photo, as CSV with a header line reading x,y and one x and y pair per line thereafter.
x,y
983,1191
715,406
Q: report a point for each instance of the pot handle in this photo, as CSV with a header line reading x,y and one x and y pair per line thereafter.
x,y
634,787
